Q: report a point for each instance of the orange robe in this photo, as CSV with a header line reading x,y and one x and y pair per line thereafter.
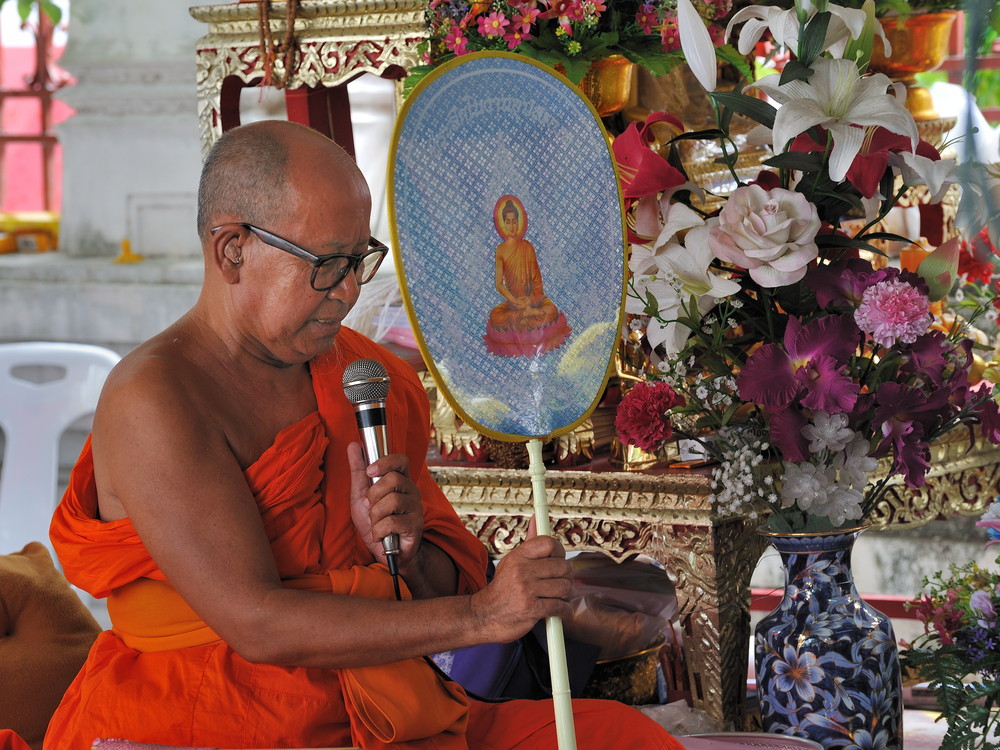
x,y
162,676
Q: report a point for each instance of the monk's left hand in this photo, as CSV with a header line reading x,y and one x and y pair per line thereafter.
x,y
389,506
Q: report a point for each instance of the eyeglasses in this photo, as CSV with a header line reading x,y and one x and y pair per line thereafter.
x,y
328,270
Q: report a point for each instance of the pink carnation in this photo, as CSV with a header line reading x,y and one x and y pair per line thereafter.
x,y
893,311
643,417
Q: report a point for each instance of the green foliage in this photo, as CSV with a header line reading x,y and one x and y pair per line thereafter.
x,y
50,9
969,707
963,683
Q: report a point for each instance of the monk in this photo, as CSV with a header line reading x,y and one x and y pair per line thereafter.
x,y
527,323
223,506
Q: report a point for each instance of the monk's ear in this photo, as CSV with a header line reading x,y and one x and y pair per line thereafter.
x,y
226,251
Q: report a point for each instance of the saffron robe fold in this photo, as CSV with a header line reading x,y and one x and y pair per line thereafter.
x,y
162,676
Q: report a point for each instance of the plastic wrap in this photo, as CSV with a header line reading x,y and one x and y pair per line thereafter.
x,y
623,608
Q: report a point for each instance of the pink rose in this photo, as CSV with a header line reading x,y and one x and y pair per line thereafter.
x,y
769,232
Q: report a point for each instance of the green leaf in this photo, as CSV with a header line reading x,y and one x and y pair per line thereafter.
x,y
813,41
794,71
860,49
891,237
838,241
24,9
699,135
416,74
755,109
728,53
52,10
657,64
576,70
799,160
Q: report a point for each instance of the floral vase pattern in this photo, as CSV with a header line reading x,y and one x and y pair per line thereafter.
x,y
826,661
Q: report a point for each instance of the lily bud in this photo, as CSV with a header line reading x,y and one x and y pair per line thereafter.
x,y
697,45
860,50
940,269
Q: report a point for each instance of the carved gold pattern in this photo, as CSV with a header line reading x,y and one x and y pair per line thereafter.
x,y
336,41
962,480
576,446
709,557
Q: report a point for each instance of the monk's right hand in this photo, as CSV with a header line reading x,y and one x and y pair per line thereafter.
x,y
533,581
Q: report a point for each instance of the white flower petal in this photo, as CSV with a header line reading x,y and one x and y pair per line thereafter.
x,y
699,51
937,174
846,145
679,218
794,118
750,34
640,260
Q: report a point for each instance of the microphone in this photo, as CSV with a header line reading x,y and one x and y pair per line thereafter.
x,y
366,385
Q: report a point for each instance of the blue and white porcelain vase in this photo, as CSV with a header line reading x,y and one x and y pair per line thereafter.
x,y
826,661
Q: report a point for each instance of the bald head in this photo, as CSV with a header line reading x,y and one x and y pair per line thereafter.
x,y
249,169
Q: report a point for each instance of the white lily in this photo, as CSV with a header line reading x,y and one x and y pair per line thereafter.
x,y
937,174
979,205
671,218
651,213
678,218
838,98
697,45
845,24
682,273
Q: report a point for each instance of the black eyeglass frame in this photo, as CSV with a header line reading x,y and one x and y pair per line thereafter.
x,y
354,261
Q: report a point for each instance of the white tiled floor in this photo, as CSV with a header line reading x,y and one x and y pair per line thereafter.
x,y
921,731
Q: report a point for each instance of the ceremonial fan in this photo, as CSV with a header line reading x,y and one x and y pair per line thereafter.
x,y
508,228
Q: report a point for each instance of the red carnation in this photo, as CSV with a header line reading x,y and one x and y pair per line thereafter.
x,y
643,417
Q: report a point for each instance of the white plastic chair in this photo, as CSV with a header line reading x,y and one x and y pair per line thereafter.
x,y
44,388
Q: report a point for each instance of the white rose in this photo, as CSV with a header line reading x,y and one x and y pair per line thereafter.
x,y
769,232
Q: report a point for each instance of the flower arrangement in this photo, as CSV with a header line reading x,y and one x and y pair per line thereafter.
x,y
797,355
959,652
565,34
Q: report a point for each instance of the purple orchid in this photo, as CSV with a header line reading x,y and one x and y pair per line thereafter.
x,y
988,414
809,364
928,357
785,430
903,413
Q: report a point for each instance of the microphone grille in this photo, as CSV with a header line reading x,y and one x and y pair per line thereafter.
x,y
365,380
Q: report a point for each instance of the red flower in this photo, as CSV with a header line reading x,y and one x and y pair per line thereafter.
x,y
869,165
646,18
643,171
643,417
973,261
565,12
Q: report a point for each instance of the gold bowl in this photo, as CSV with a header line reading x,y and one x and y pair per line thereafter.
x,y
919,45
608,84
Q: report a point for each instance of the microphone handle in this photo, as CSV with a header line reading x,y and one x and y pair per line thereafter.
x,y
371,420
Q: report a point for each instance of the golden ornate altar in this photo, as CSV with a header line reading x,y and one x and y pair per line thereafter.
x,y
334,41
709,558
